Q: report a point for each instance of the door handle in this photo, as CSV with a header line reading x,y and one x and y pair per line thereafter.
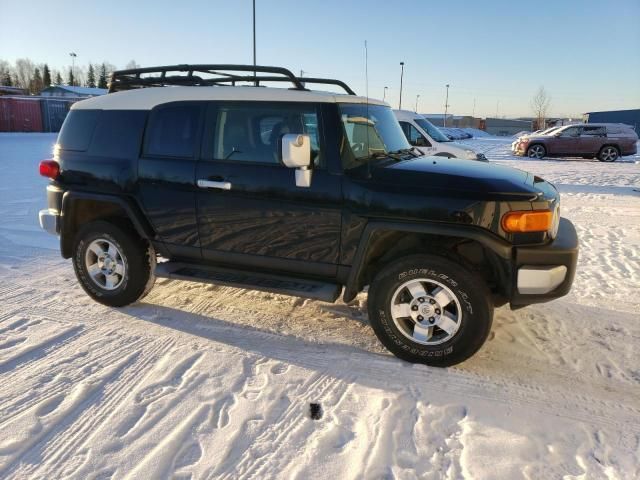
x,y
211,184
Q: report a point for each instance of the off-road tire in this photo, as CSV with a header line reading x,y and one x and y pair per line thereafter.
x,y
138,254
470,290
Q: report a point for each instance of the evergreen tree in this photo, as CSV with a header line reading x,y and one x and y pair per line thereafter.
x,y
58,78
36,85
102,78
46,76
71,80
91,77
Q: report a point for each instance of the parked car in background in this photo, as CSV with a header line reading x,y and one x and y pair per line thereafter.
x,y
604,141
429,139
519,137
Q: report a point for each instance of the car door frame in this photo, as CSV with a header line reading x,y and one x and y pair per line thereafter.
x,y
286,265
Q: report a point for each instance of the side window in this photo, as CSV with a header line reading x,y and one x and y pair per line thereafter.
x,y
414,137
172,130
252,132
571,132
593,132
77,129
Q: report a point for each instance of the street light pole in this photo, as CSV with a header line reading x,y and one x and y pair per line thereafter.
x,y
417,97
73,67
255,73
401,75
384,93
446,106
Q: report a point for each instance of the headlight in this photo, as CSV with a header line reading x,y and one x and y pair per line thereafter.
x,y
471,154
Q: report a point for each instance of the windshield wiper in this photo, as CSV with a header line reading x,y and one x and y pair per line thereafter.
x,y
406,151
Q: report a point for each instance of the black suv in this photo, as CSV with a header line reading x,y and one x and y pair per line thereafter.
x,y
302,193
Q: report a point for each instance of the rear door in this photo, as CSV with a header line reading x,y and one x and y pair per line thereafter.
x,y
592,138
166,174
255,215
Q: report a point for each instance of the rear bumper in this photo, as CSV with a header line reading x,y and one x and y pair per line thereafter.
x,y
49,221
543,273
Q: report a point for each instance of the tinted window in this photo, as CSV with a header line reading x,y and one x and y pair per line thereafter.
x,y
252,132
119,133
78,129
172,130
593,132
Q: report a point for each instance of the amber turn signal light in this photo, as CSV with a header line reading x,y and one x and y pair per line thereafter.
x,y
527,221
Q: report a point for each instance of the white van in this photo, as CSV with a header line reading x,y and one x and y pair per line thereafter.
x,y
426,137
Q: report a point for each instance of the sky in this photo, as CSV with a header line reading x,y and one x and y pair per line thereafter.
x,y
494,54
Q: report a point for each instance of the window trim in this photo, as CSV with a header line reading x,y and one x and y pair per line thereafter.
x,y
208,141
198,134
411,125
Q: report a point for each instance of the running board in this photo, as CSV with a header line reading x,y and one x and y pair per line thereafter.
x,y
318,290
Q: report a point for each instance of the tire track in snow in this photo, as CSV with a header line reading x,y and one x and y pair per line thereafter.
x,y
60,451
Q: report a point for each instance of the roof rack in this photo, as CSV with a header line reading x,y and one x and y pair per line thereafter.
x,y
214,74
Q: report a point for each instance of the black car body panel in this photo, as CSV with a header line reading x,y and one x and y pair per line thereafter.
x,y
267,223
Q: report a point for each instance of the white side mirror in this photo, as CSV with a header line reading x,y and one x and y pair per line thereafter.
x,y
296,153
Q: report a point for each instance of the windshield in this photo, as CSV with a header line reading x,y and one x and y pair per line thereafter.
x,y
432,130
371,131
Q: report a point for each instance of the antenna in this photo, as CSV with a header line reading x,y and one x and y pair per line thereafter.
x,y
366,83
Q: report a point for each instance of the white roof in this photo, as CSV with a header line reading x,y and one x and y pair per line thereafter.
x,y
147,98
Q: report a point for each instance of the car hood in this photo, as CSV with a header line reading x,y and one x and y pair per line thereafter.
x,y
476,178
458,145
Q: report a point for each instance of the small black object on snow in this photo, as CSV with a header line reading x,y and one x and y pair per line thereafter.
x,y
315,410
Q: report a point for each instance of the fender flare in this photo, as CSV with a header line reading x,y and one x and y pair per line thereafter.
x,y
500,247
132,210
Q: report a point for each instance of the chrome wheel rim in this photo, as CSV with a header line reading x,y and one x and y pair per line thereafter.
x,y
426,311
536,151
105,264
609,154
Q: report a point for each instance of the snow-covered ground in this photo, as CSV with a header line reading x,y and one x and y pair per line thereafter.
x,y
208,382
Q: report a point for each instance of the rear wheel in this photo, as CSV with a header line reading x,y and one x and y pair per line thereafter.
x,y
608,153
536,151
113,265
428,309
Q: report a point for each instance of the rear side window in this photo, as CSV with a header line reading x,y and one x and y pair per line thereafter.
x,y
78,129
172,130
118,134
593,131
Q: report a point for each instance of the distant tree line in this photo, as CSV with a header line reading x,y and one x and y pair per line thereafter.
x,y
35,77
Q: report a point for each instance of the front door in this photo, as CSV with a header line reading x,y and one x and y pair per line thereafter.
x,y
566,143
253,214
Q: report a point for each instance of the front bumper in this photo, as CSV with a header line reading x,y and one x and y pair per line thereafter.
x,y
49,221
545,272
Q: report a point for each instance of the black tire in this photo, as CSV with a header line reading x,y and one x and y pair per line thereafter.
x,y
608,153
472,295
138,255
536,151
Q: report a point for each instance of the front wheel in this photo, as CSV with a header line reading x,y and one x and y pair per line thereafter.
x,y
536,151
113,265
428,309
608,154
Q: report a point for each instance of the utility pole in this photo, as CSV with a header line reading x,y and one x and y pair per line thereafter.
x,y
474,109
255,73
417,97
73,56
446,106
384,93
497,107
401,75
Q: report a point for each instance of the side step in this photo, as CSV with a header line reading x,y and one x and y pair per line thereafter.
x,y
318,290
